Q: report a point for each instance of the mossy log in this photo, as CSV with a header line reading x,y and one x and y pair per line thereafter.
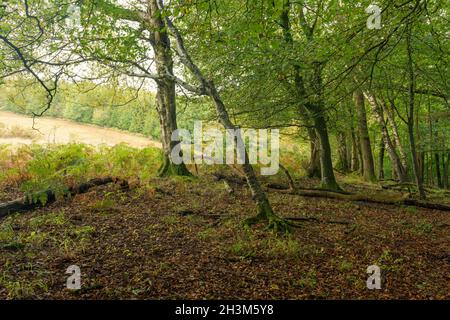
x,y
27,204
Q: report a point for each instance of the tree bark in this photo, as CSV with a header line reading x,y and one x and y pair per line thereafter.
x,y
366,148
400,171
411,105
438,170
396,135
165,96
313,170
313,103
381,160
343,163
355,152
328,180
446,165
265,212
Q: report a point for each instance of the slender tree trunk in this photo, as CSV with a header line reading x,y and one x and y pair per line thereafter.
x,y
420,153
360,156
415,160
430,177
265,211
421,156
314,169
314,105
396,135
436,154
399,170
438,170
411,104
355,152
446,165
349,150
317,112
165,96
328,180
343,163
366,149
381,160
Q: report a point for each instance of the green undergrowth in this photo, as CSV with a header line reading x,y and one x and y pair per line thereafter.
x,y
35,169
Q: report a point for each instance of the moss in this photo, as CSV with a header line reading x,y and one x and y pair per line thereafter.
x,y
168,169
266,214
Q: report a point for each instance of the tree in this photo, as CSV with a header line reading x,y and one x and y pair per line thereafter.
x,y
366,148
410,119
121,48
265,212
396,162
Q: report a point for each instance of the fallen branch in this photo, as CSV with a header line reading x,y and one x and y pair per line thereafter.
x,y
288,176
364,198
27,204
281,186
277,186
409,186
230,179
185,213
317,220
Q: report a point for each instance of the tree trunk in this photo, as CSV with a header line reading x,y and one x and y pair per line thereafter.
x,y
381,160
399,170
411,105
343,163
366,149
265,212
436,154
446,164
355,152
313,170
438,170
415,160
314,105
349,150
165,96
328,180
360,157
421,159
396,135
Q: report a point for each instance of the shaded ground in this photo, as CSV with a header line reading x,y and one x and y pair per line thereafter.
x,y
52,130
183,239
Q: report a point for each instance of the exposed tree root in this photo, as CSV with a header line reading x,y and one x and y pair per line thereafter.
x,y
169,169
27,204
331,186
266,215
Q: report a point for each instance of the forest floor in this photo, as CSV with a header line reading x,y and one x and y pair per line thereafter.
x,y
184,239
